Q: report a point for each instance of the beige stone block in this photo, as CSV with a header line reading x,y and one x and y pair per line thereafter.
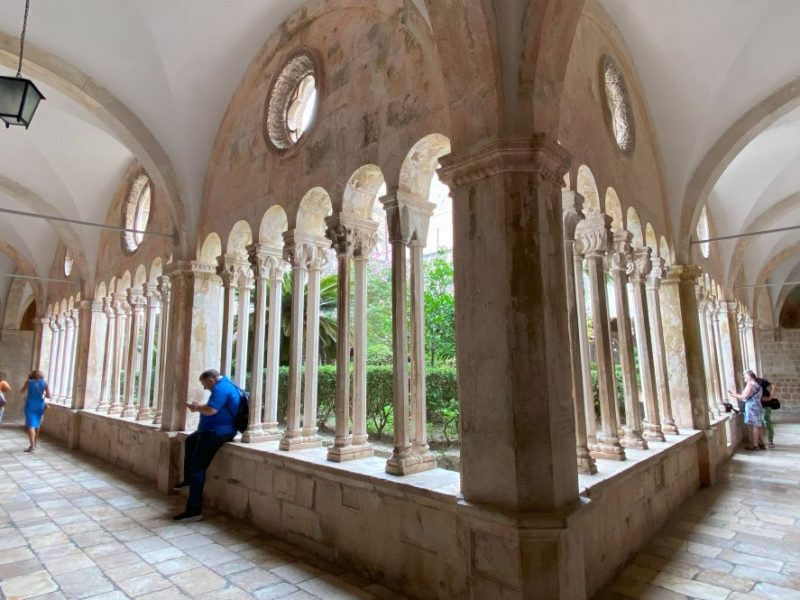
x,y
284,485
13,555
263,478
303,521
241,470
198,581
304,491
144,584
692,588
27,586
726,580
328,498
495,557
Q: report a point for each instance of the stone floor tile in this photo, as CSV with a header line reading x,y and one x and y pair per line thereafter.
x,y
28,586
254,579
775,592
22,567
123,572
84,583
176,565
333,588
144,584
726,580
276,590
198,581
296,572
170,593
694,589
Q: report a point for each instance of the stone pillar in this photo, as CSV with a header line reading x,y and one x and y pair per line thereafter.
x,y
408,219
72,349
146,379
259,261
137,304
592,237
585,358
346,233
108,355
740,320
270,425
708,361
90,342
749,338
641,318
682,343
719,369
120,321
519,478
52,324
620,265
659,354
732,357
164,292
58,374
365,242
317,259
226,269
572,205
245,285
39,338
68,333
295,253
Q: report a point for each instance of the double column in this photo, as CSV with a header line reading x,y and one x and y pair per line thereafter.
x,y
620,264
659,355
108,355
120,307
137,304
307,255
642,265
593,242
165,298
583,404
148,371
68,376
267,265
408,218
59,344
353,239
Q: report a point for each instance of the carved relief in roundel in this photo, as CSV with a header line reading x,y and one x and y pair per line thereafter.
x,y
618,104
291,105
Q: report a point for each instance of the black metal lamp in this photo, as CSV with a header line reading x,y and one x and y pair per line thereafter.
x,y
19,97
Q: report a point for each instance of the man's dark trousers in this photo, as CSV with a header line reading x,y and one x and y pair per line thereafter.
x,y
199,450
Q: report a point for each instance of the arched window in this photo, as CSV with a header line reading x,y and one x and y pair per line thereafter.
x,y
137,212
68,262
703,233
292,103
618,103
300,111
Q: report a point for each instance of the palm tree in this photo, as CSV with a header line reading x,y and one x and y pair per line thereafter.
x,y
327,319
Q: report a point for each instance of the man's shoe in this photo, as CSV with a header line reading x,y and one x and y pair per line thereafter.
x,y
188,517
180,486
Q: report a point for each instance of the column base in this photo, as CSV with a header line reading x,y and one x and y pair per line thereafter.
x,y
586,463
101,408
653,433
350,452
114,409
300,443
633,439
407,462
256,435
144,415
609,449
670,428
128,412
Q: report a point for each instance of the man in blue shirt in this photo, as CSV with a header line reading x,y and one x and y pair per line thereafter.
x,y
216,427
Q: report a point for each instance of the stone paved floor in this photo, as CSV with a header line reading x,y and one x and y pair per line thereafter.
x,y
73,527
737,540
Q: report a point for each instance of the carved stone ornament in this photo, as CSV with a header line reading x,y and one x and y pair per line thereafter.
x,y
277,130
572,212
642,265
618,104
592,235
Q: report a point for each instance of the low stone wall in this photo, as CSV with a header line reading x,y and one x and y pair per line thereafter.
x,y
780,362
413,533
16,350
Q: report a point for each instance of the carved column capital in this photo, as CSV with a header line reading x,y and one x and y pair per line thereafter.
x,y
572,212
686,273
621,258
263,260
97,305
642,264
593,236
164,289
351,236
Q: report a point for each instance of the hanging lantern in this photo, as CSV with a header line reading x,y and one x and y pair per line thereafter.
x,y
19,97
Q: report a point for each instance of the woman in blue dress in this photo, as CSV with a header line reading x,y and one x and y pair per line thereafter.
x,y
37,391
753,412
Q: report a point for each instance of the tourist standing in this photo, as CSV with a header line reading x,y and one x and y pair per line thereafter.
x,y
37,391
766,397
753,411
4,387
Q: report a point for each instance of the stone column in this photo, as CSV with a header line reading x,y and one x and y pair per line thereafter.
x,y
408,217
364,243
164,290
317,259
592,236
90,342
708,358
572,205
58,375
137,304
659,355
682,342
52,325
346,233
716,347
270,425
749,338
226,269
68,332
518,462
620,265
120,321
146,379
731,349
740,324
245,285
72,349
108,355
294,253
39,337
259,260
585,358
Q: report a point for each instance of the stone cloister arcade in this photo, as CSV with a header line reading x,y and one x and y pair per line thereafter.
x,y
597,333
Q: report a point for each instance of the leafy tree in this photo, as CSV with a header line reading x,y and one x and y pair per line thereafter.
x,y
440,337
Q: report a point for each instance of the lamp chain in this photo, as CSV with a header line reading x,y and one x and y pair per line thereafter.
x,y
22,37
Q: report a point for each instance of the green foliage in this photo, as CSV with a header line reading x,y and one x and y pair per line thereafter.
x,y
440,309
618,386
442,400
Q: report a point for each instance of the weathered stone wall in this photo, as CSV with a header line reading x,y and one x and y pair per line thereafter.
x,y
780,363
16,352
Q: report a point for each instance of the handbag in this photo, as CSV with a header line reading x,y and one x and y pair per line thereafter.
x,y
772,403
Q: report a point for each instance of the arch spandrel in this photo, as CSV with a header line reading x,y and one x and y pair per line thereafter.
x,y
587,187
210,250
140,277
361,191
239,238
156,270
613,208
273,224
314,207
420,164
634,225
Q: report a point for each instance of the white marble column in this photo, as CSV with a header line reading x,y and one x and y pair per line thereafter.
x,y
120,322
73,319
659,354
146,379
365,242
40,337
108,355
226,269
164,292
641,269
592,237
87,363
585,358
731,341
244,287
52,324
61,334
295,254
719,369
749,337
620,266
137,304
274,334
317,259
572,205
